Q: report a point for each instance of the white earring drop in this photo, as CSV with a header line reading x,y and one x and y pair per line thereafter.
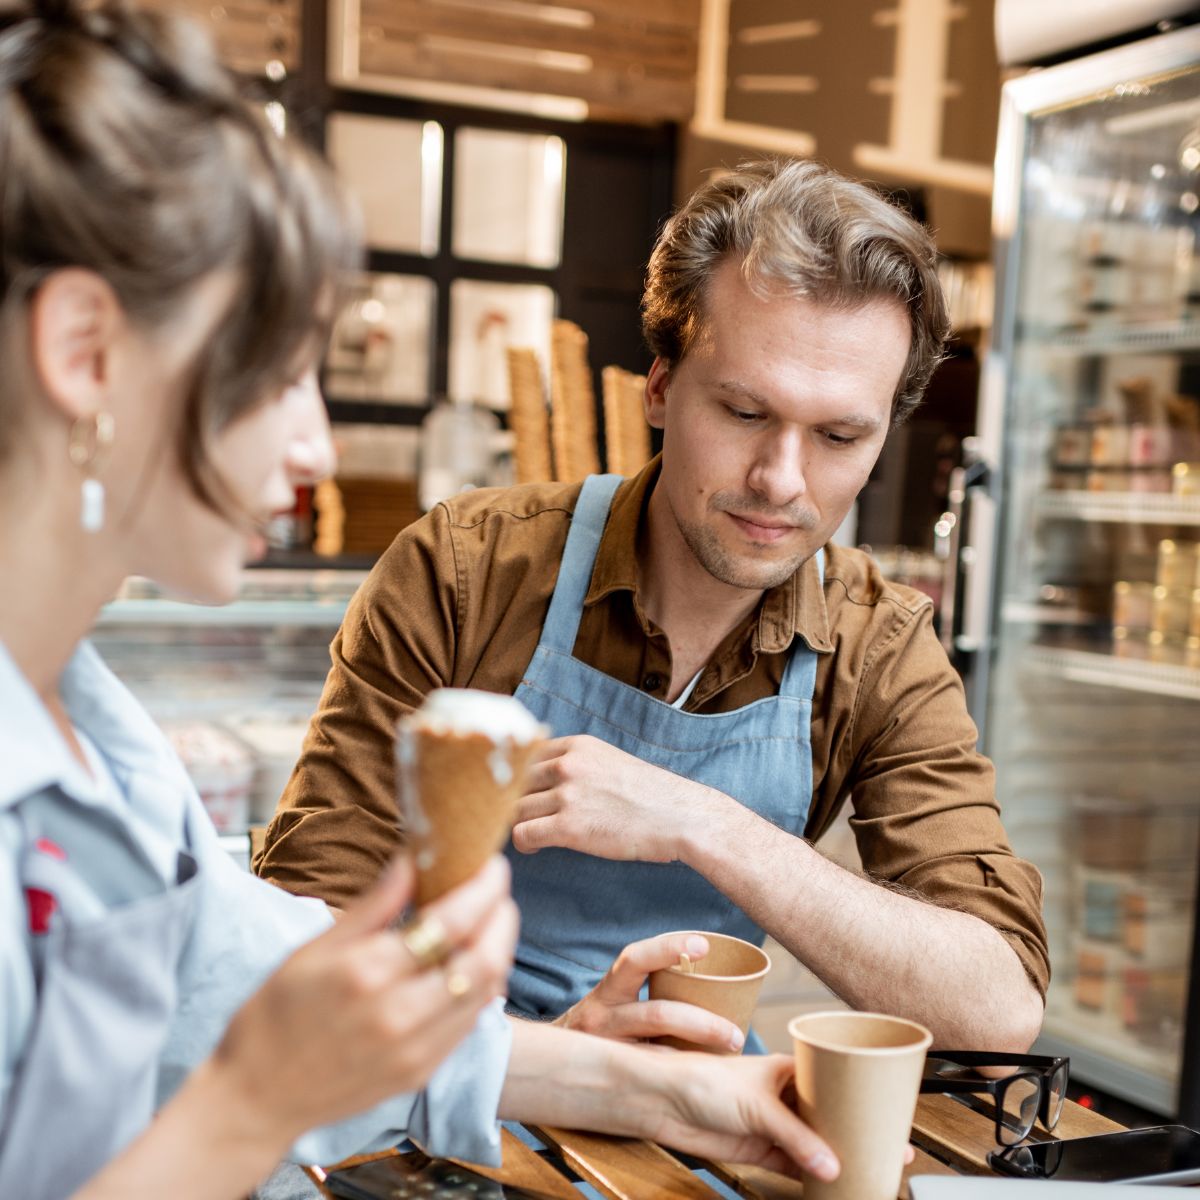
x,y
91,509
91,437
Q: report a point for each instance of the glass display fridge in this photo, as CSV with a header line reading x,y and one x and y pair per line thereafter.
x,y
1081,549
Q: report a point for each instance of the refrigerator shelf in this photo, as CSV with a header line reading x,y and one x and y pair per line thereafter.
x,y
1134,508
1166,336
1106,670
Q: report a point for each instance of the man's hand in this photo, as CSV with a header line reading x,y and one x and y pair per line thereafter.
x,y
586,795
612,1009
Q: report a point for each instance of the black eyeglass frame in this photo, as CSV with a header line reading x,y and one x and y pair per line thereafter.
x,y
1040,1068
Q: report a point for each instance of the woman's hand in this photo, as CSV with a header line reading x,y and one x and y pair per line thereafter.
x,y
738,1110
743,1110
612,1008
715,1106
351,1018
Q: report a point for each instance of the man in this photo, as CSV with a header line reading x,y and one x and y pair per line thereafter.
x,y
718,676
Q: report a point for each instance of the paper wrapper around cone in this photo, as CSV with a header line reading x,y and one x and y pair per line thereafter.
x,y
857,1079
726,981
458,795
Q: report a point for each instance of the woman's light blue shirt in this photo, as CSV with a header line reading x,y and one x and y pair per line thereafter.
x,y
126,827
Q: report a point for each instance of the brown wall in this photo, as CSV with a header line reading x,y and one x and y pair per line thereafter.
x,y
853,49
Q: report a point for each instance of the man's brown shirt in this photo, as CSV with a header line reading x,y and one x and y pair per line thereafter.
x,y
459,601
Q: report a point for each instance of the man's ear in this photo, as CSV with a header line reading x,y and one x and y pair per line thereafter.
x,y
655,399
74,318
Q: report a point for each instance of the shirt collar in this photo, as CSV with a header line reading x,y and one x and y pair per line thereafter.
x,y
795,608
35,754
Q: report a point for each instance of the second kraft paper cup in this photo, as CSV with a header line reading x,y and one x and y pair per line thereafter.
x,y
726,981
857,1078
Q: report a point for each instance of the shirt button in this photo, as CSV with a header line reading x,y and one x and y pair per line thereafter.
x,y
652,682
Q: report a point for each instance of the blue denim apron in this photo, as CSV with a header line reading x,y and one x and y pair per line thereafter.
x,y
579,911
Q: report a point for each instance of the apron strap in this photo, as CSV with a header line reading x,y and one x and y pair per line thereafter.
x,y
800,675
579,557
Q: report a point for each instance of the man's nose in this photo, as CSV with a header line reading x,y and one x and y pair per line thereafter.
x,y
778,471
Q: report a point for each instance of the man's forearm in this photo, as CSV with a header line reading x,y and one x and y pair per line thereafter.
x,y
877,948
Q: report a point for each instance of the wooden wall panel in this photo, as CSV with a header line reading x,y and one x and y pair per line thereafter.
x,y
631,60
903,92
248,33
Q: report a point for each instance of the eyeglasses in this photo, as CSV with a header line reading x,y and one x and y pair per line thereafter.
x,y
1035,1087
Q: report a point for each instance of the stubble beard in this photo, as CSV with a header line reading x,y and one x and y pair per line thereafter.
x,y
738,571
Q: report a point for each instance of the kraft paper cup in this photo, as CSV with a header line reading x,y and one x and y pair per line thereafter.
x,y
458,794
857,1078
726,981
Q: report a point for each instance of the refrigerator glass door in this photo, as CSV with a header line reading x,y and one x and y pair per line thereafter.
x,y
1093,714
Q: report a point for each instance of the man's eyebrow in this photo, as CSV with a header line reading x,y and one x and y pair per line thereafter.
x,y
861,421
740,389
856,421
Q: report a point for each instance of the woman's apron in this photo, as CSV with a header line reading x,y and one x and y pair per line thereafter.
x,y
86,1086
579,911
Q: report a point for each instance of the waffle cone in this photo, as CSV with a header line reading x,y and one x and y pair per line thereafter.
x,y
458,796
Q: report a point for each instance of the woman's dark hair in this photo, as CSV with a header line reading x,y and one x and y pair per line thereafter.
x,y
126,150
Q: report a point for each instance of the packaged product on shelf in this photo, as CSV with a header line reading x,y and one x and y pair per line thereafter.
x,y
220,767
1098,977
1150,481
1103,283
1070,450
1153,1001
1177,564
1157,281
1149,435
1133,604
1108,452
1100,895
1156,918
1110,442
1191,653
1185,479
1171,610
1169,649
1130,643
1183,417
1116,833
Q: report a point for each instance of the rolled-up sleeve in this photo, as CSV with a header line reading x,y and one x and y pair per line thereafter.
x,y
337,823
453,1117
925,814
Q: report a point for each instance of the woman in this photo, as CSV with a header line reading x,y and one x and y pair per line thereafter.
x,y
167,272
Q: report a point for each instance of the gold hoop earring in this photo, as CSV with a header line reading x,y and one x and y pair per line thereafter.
x,y
89,443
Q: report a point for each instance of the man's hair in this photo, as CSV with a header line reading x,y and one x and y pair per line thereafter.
x,y
126,150
802,227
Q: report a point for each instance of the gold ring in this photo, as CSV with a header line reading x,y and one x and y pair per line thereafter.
x,y
458,984
425,939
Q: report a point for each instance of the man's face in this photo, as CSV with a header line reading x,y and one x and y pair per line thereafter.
x,y
771,424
